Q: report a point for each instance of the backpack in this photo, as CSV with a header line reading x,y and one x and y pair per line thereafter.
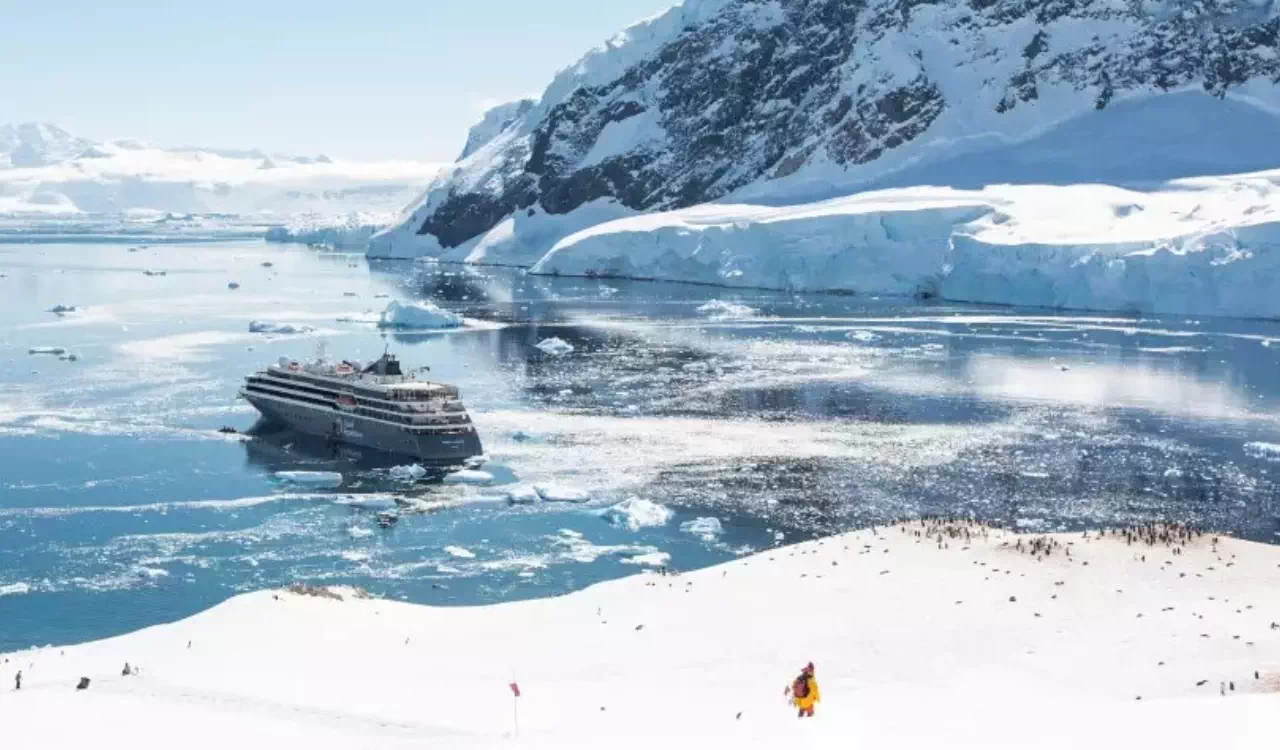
x,y
800,688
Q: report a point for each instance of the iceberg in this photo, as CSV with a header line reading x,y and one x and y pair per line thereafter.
x,y
417,315
408,473
554,347
461,553
310,478
637,513
706,529
367,502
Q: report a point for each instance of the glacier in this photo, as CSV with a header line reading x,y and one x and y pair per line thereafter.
x,y
1206,245
1087,155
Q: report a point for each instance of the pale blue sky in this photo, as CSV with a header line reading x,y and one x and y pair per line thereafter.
x,y
370,79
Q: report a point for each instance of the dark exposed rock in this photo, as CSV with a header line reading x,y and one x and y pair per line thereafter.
x,y
765,88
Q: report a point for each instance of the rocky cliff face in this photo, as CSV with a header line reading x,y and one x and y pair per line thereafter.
x,y
762,97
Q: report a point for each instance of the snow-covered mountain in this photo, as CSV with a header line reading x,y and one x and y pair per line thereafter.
x,y
44,170
781,101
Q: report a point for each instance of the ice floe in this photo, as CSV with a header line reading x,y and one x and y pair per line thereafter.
x,y
523,495
559,493
266,326
367,502
20,587
1268,451
721,310
649,559
310,478
469,476
461,553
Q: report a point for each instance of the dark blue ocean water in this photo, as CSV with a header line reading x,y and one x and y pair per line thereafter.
x,y
780,416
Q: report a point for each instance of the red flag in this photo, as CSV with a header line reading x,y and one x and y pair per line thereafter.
x,y
515,689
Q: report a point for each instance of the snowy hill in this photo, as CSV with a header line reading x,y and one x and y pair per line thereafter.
x,y
930,641
781,102
45,170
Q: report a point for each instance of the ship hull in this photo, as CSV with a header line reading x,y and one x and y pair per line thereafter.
x,y
352,429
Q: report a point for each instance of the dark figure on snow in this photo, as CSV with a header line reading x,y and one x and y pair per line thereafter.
x,y
17,680
804,691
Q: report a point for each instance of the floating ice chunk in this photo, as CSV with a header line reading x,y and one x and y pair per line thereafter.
x,y
706,529
721,310
636,513
356,556
63,309
555,346
558,493
1267,451
311,478
367,502
447,569
15,588
408,473
418,315
146,572
460,552
266,326
469,476
523,495
359,532
649,559
865,337
55,350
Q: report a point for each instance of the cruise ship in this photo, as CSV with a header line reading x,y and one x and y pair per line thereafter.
x,y
376,406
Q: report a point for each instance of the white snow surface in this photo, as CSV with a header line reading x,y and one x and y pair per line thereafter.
x,y
898,630
417,315
45,170
1208,245
351,230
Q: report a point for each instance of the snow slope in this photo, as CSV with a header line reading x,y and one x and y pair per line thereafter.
x,y
1199,246
918,642
791,101
46,171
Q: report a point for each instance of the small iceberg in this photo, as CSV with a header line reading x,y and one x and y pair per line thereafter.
x,y
648,559
9,589
636,513
558,493
706,529
721,310
417,315
865,337
1266,451
266,326
460,552
409,473
310,478
469,476
54,350
554,347
523,495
